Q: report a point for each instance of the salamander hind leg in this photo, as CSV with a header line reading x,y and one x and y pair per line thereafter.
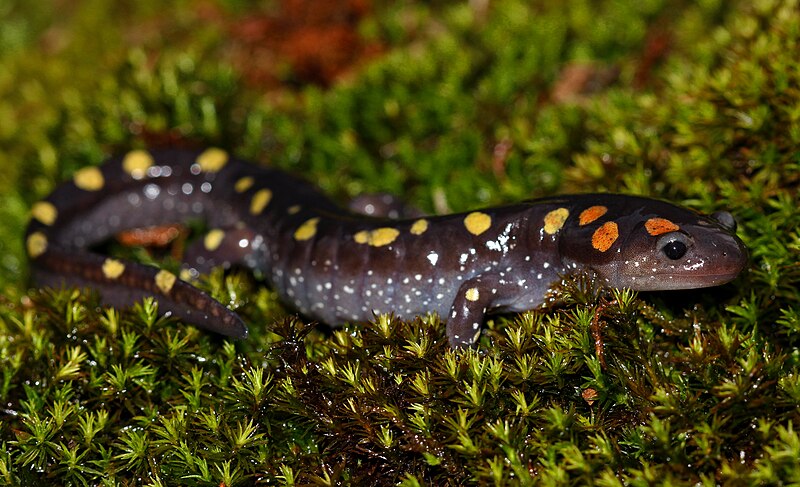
x,y
469,308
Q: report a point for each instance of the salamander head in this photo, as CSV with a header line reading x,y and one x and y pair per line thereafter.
x,y
650,245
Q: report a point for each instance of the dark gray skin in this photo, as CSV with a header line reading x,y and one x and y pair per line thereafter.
x,y
335,266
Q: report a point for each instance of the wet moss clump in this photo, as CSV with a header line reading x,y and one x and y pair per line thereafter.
x,y
454,106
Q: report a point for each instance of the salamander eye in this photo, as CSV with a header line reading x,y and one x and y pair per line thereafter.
x,y
674,249
673,245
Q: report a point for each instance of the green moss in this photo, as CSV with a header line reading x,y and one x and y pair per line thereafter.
x,y
458,111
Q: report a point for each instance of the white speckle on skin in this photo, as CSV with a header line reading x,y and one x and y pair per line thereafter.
x,y
462,259
441,281
433,257
418,277
151,191
205,187
546,265
348,290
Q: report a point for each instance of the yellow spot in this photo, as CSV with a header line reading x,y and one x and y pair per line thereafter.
x,y
186,274
165,280
212,160
361,237
383,236
36,244
260,201
89,179
136,162
293,209
658,226
472,294
45,212
554,220
213,239
477,222
476,336
113,268
419,227
307,229
591,214
243,184
378,237
605,236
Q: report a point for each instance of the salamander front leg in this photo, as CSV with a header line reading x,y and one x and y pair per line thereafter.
x,y
469,308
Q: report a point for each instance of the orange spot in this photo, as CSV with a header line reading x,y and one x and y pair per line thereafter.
x,y
591,214
659,226
605,236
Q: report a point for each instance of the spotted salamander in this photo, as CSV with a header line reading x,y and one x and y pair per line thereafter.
x,y
335,266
